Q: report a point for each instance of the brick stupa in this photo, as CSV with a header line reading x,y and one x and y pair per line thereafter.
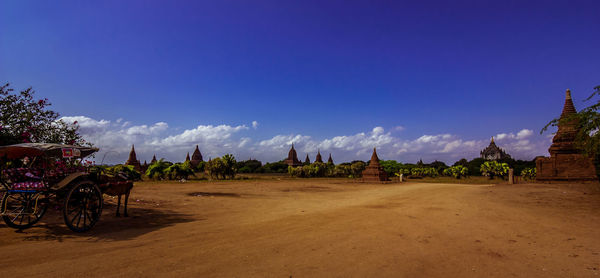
x,y
196,157
292,159
566,163
374,172
330,160
307,160
318,158
133,160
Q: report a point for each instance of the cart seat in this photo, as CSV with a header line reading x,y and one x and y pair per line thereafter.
x,y
29,186
22,174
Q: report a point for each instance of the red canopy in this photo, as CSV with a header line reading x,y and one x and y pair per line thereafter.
x,y
44,149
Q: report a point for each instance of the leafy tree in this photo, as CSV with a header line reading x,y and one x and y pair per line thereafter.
x,y
275,167
229,163
179,171
200,167
343,170
127,170
215,168
462,162
458,171
529,173
26,119
296,171
157,169
438,165
390,166
222,167
357,167
420,172
475,166
493,169
248,166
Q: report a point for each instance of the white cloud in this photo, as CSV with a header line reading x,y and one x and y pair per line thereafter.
x,y
115,140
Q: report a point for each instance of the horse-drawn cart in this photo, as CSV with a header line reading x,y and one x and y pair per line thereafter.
x,y
49,175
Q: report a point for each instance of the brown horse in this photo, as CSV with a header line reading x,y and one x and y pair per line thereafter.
x,y
117,186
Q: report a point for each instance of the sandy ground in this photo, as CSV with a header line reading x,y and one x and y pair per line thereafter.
x,y
322,228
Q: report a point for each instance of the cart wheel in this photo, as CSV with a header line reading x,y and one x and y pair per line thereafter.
x,y
20,210
83,206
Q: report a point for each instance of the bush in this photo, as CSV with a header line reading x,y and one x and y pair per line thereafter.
x,y
529,173
457,171
157,169
420,172
127,170
390,166
357,167
248,166
179,171
475,166
200,167
493,169
222,167
275,167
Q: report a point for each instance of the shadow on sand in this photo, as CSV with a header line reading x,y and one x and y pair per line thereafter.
x,y
109,228
214,194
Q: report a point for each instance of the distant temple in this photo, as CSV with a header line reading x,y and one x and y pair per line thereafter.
x,y
153,159
187,157
493,152
144,167
330,160
318,158
374,172
133,160
307,160
292,159
196,157
566,163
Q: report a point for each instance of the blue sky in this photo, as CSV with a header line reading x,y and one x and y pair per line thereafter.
x,y
319,73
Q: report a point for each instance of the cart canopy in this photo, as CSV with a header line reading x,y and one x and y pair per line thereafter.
x,y
44,149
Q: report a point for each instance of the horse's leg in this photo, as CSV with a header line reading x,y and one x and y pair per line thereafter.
x,y
126,199
118,204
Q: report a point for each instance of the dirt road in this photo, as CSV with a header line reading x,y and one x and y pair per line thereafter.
x,y
322,228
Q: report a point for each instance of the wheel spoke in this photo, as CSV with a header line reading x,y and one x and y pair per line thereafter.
x,y
76,216
84,214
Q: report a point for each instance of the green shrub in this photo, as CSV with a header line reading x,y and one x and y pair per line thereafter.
x,y
222,167
157,169
458,171
179,171
493,169
529,173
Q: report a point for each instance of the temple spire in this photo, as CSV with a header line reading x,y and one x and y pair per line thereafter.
x,y
132,156
374,172
568,108
133,159
319,158
374,157
292,159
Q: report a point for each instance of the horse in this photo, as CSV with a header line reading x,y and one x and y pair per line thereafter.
x,y
117,186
